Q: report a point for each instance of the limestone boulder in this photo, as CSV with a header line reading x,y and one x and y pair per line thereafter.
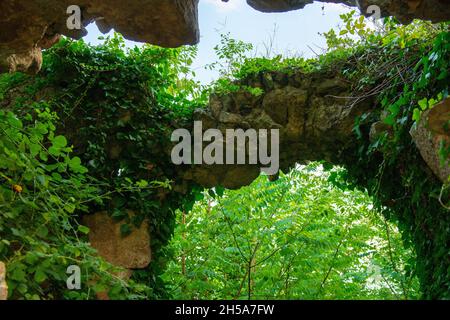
x,y
288,5
28,26
131,252
407,10
3,285
404,10
431,133
278,5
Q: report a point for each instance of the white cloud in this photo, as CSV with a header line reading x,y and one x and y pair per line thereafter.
x,y
336,7
220,6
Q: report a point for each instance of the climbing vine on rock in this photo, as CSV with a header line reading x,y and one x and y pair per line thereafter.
x,y
406,70
403,70
43,189
114,110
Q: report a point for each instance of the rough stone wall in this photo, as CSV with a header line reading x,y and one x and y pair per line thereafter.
x,y
27,26
404,10
313,113
287,5
407,10
315,117
131,252
432,130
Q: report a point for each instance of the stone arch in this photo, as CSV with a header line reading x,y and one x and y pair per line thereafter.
x,y
313,111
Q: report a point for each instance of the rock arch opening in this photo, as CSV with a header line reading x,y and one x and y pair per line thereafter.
x,y
314,111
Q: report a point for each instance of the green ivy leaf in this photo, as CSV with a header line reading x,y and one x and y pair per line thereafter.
x,y
423,104
40,276
83,229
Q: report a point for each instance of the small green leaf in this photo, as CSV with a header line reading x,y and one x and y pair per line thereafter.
x,y
40,276
142,184
83,229
423,104
416,114
59,142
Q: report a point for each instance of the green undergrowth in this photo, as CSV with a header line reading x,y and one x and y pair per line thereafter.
x,y
108,113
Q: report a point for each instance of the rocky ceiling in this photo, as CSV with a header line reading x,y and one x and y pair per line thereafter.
x,y
28,26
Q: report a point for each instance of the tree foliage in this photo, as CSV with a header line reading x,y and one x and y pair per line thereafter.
x,y
299,237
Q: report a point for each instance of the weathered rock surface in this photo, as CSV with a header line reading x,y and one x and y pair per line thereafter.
x,y
407,10
312,112
404,10
432,130
28,26
288,5
3,285
130,252
315,119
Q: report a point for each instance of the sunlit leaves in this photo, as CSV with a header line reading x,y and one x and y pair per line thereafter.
x,y
289,231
